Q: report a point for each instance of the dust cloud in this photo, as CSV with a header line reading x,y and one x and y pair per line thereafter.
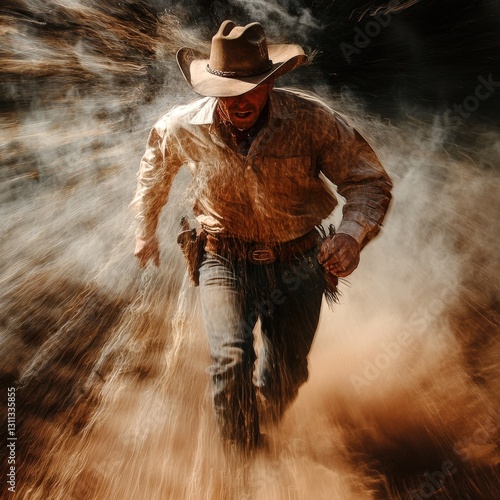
x,y
108,362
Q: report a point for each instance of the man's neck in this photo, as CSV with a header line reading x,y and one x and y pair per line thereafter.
x,y
242,139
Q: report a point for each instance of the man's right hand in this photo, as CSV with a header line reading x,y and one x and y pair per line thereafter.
x,y
145,250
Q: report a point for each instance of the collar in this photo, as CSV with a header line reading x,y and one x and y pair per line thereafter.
x,y
205,114
277,109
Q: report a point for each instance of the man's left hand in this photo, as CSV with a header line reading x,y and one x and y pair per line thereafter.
x,y
339,254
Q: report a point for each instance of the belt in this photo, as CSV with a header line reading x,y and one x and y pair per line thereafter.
x,y
260,253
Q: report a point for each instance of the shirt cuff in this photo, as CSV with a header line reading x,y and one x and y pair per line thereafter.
x,y
353,229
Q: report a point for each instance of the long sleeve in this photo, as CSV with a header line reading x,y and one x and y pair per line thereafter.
x,y
156,173
350,163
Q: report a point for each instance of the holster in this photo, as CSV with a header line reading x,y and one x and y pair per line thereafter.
x,y
192,243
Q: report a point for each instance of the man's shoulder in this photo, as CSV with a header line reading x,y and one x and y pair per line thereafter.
x,y
306,106
310,109
298,99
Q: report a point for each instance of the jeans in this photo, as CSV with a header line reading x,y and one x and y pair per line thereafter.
x,y
287,298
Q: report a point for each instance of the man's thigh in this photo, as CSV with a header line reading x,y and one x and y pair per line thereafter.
x,y
226,313
288,333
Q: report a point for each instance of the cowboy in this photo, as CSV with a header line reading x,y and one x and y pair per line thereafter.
x,y
259,158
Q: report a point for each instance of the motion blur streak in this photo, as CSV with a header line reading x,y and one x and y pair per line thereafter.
x,y
108,362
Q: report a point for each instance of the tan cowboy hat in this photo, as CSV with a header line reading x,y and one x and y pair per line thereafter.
x,y
240,59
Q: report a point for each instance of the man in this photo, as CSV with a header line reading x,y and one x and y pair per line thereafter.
x,y
257,157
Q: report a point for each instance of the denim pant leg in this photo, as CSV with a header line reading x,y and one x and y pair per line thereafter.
x,y
229,323
288,333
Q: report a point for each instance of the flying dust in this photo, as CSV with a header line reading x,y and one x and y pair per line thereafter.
x,y
107,362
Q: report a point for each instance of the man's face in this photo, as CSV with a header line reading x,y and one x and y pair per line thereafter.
x,y
243,110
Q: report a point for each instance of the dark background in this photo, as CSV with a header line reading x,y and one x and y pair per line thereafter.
x,y
429,56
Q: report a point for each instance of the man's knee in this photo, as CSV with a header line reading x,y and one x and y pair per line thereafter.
x,y
281,381
231,360
299,372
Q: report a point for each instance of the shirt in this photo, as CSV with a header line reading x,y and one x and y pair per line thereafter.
x,y
274,193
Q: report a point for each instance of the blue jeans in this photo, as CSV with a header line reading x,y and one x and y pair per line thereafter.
x,y
234,295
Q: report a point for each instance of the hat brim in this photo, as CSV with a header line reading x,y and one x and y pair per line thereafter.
x,y
193,65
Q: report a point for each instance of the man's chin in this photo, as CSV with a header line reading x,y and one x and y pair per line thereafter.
x,y
243,123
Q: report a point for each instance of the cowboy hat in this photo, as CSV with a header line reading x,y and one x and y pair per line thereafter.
x,y
239,60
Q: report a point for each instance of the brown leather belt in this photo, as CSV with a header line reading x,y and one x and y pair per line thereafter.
x,y
260,253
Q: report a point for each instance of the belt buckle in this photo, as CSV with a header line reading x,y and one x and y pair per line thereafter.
x,y
261,254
